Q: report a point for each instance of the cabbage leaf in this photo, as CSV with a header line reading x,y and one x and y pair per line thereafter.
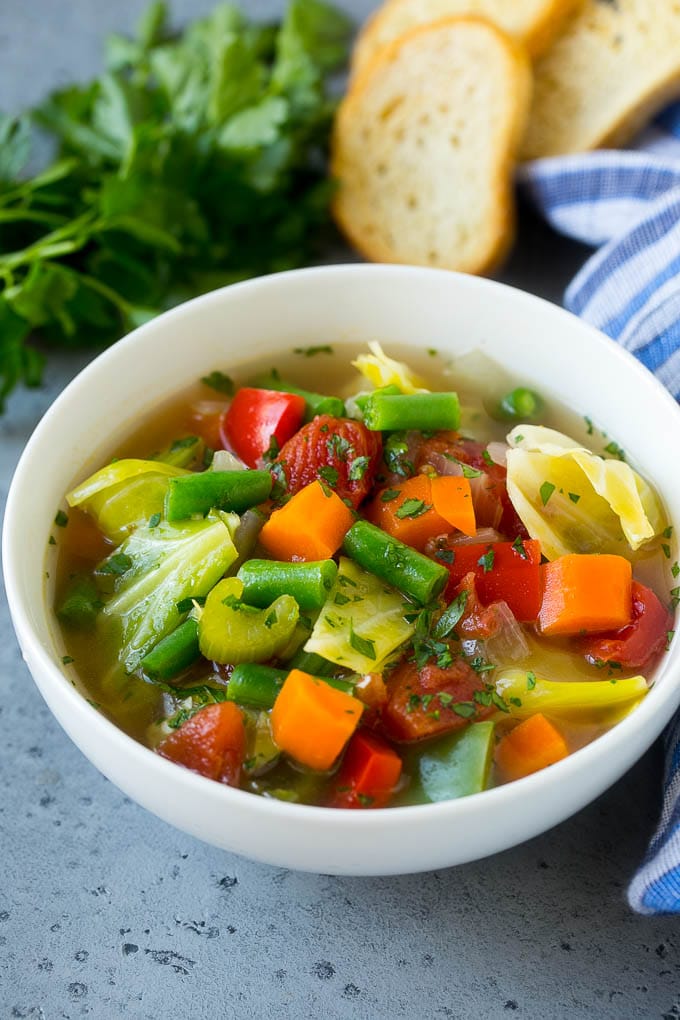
x,y
574,501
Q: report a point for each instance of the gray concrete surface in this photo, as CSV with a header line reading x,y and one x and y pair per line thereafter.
x,y
107,912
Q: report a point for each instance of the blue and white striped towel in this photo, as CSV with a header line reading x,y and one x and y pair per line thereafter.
x,y
627,203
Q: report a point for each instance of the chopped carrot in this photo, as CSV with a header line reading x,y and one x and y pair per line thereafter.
x,y
422,508
310,526
530,746
585,593
452,499
312,721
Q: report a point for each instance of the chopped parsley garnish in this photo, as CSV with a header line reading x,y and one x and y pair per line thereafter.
x,y
465,709
358,469
61,519
675,597
546,491
389,494
412,508
365,646
272,451
487,458
531,680
154,520
280,486
329,474
666,549
670,634
187,604
183,443
451,616
395,453
432,351
675,569
310,352
574,497
486,561
668,532
365,799
338,446
340,599
517,702
518,547
118,564
67,659
589,424
615,450
220,382
51,540
445,555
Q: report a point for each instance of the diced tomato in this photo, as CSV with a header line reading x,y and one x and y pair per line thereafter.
x,y
369,772
427,701
339,452
256,417
212,743
503,571
636,644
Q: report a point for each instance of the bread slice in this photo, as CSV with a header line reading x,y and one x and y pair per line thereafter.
x,y
534,23
425,143
614,66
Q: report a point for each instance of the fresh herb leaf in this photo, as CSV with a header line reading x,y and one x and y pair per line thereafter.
x,y
365,646
329,474
451,616
615,450
486,561
518,547
389,494
310,352
61,519
154,520
117,564
546,490
412,508
574,497
358,468
531,680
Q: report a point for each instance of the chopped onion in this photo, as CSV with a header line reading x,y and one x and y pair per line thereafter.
x,y
498,453
507,643
483,535
223,460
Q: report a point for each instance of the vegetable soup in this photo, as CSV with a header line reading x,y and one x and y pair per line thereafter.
x,y
404,589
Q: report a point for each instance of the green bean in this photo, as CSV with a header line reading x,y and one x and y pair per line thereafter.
x,y
392,390
308,583
258,686
223,490
310,662
317,403
521,404
173,653
425,411
413,574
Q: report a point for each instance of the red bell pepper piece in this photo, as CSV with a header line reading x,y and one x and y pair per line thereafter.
x,y
255,417
635,644
212,743
369,772
504,572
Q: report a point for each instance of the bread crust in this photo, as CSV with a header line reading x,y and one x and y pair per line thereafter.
x,y
613,68
538,28
357,207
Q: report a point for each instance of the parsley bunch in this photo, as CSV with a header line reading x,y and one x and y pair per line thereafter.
x,y
196,160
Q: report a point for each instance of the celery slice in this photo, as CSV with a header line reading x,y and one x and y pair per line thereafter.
x,y
363,621
229,631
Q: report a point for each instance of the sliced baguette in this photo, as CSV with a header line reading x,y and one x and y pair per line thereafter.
x,y
425,144
534,23
611,70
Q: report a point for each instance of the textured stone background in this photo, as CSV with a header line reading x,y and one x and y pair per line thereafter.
x,y
107,912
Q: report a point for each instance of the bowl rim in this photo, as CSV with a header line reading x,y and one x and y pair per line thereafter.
x,y
652,714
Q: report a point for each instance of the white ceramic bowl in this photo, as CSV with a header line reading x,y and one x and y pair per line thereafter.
x,y
549,348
